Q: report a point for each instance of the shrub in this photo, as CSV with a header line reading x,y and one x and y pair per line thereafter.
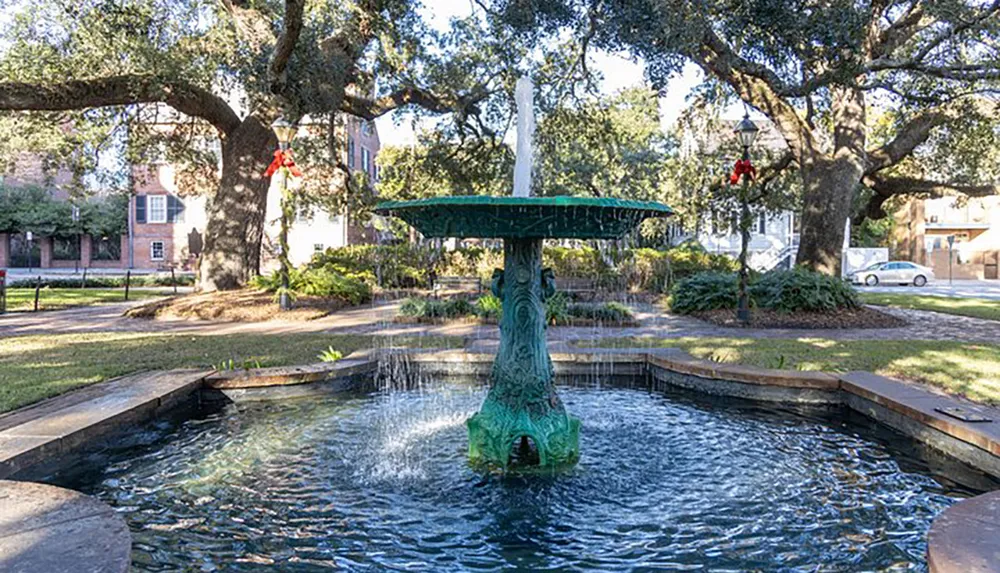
x,y
575,262
490,307
608,312
646,270
557,308
323,282
100,281
419,307
801,290
691,259
388,266
709,290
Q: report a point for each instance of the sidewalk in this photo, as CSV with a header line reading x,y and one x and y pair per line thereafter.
x,y
378,319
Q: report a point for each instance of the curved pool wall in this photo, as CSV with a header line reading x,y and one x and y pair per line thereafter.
x,y
905,407
378,480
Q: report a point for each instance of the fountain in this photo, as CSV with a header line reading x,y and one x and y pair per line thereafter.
x,y
522,408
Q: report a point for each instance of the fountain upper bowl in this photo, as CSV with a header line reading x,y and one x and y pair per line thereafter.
x,y
476,216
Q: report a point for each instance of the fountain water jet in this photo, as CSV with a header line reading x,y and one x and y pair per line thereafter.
x,y
522,403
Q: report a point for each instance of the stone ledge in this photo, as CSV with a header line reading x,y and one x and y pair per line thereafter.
x,y
57,426
48,529
919,404
965,538
683,363
289,375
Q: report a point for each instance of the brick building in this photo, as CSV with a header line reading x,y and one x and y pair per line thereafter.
x,y
922,228
167,223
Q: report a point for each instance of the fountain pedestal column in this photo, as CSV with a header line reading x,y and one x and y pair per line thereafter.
x,y
522,401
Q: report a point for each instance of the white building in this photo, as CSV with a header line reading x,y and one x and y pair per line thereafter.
x,y
774,236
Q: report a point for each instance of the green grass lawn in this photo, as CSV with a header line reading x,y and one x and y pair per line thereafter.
x,y
23,299
974,307
968,369
36,367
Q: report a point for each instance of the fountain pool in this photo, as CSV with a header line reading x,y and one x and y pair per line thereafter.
x,y
379,481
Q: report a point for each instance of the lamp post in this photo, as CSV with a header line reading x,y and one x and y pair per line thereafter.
x,y
746,133
284,130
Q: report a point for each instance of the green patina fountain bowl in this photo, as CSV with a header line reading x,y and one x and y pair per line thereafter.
x,y
475,216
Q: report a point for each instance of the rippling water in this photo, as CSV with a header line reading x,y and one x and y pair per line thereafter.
x,y
379,482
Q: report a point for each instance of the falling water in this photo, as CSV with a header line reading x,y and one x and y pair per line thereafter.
x,y
524,96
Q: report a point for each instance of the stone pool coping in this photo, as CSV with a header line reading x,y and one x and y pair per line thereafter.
x,y
48,529
55,427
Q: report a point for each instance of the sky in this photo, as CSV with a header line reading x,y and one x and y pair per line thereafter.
x,y
619,72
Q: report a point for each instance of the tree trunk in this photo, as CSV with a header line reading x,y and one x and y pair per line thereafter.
x,y
829,184
235,228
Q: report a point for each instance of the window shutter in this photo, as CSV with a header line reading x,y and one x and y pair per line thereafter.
x,y
140,208
175,210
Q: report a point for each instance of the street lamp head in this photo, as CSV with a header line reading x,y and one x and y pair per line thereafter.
x,y
284,130
746,131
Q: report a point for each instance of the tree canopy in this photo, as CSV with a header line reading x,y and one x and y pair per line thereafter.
x,y
171,76
822,72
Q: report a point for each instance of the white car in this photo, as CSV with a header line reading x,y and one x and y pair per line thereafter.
x,y
893,272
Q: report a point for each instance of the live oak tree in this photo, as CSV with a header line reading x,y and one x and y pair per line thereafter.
x,y
118,72
820,71
603,147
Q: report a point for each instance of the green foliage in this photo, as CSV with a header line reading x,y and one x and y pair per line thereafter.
x,y
801,290
797,290
606,313
489,307
557,308
873,232
106,282
34,209
438,168
388,266
245,364
419,307
351,288
610,147
330,355
711,290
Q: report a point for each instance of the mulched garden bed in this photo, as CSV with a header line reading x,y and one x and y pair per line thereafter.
x,y
246,305
863,317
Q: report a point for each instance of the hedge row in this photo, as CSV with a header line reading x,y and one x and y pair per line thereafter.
x,y
416,266
797,290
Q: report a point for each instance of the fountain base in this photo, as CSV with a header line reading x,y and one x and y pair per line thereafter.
x,y
497,430
522,403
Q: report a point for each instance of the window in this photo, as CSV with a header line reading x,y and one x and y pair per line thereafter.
x,y
762,224
367,127
175,210
318,248
156,251
66,248
350,152
366,159
105,248
156,208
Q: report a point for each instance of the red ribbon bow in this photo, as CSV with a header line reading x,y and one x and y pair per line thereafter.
x,y
742,166
283,158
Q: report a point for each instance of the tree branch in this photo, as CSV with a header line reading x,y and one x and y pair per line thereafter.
x,y
366,108
120,90
887,187
286,44
900,31
757,86
908,138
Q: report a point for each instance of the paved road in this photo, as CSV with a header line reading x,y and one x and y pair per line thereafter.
x,y
377,319
962,289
